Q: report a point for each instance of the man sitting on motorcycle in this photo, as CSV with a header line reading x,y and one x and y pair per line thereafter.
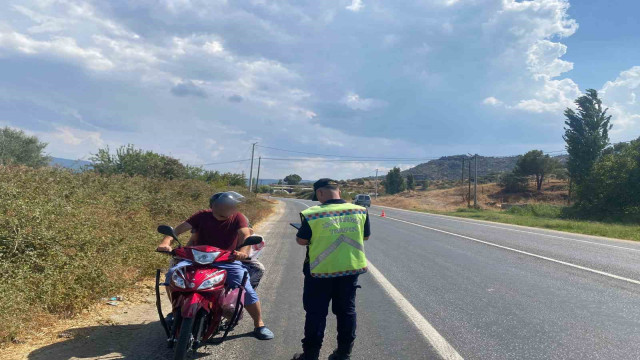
x,y
255,268
223,226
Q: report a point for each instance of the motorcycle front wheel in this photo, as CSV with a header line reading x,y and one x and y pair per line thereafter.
x,y
185,339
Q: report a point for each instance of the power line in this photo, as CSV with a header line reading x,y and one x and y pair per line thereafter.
x,y
348,158
343,160
342,156
224,162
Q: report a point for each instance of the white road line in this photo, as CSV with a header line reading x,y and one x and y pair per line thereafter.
x,y
433,337
632,281
439,343
301,203
511,229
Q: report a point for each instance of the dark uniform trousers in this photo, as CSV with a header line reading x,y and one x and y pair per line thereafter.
x,y
318,292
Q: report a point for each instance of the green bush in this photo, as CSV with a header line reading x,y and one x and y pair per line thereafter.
x,y
18,148
68,239
264,189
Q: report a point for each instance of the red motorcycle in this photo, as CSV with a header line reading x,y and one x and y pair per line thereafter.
x,y
202,306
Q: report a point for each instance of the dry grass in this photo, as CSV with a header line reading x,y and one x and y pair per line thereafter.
x,y
489,196
68,239
545,209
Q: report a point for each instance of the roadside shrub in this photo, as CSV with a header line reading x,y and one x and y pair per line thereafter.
x,y
264,189
68,239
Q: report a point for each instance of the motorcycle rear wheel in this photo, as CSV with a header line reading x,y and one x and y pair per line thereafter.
x,y
185,339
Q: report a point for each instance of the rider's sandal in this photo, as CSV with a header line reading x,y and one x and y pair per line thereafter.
x,y
263,333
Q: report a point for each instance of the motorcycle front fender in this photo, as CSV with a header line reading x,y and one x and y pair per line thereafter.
x,y
192,303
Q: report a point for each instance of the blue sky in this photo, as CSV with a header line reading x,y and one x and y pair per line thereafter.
x,y
203,79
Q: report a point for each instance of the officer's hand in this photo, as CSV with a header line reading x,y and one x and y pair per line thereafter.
x,y
240,255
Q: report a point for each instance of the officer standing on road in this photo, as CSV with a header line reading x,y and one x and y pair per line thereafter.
x,y
334,233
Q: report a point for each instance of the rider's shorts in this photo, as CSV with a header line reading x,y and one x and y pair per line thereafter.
x,y
235,272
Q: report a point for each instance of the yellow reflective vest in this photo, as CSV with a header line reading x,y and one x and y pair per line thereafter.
x,y
336,247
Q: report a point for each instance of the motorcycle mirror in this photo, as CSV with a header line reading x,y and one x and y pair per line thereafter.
x,y
253,240
296,225
167,230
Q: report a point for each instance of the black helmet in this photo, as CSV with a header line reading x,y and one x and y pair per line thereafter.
x,y
227,198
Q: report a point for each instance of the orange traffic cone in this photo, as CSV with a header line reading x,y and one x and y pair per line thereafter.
x,y
383,215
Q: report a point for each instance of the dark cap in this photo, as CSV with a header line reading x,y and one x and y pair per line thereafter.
x,y
324,182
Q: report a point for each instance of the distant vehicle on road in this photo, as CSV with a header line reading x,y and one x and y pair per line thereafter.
x,y
362,200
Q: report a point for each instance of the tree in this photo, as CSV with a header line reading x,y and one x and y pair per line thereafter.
x,y
411,182
561,173
293,179
587,135
512,182
425,185
131,161
535,162
394,182
17,148
215,177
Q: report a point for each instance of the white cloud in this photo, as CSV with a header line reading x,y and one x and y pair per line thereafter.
x,y
492,101
213,47
532,25
544,60
620,96
355,102
75,137
554,96
355,6
277,73
44,23
537,19
58,46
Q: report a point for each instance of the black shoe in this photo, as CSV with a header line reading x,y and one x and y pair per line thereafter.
x,y
339,356
305,356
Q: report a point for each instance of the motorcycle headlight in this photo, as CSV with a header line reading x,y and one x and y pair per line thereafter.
x,y
202,257
178,280
214,280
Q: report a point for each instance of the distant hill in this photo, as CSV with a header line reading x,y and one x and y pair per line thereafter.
x,y
449,167
68,163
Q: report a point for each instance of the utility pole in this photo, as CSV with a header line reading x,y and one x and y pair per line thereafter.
x,y
475,183
376,184
462,180
469,194
253,149
258,175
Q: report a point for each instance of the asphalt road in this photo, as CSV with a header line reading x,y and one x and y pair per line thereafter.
x,y
439,287
496,291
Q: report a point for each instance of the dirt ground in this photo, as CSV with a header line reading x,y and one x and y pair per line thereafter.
x,y
489,196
